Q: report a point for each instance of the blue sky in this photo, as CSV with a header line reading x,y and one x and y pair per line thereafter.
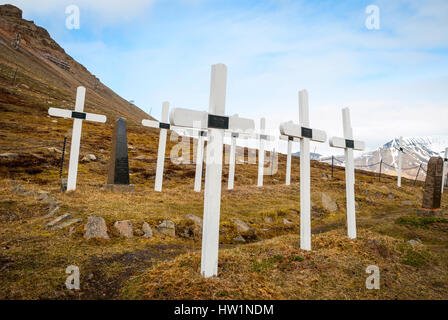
x,y
395,79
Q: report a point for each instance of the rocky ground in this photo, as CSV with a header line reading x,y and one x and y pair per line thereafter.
x,y
146,245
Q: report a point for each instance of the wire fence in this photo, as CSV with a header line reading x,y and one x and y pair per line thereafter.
x,y
335,162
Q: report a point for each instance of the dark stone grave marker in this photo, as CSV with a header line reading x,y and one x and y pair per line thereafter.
x,y
118,178
433,186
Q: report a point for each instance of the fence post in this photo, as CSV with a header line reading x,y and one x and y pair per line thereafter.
x,y
62,158
332,166
381,164
14,78
418,171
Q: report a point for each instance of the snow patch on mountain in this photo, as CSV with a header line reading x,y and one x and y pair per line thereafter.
x,y
416,152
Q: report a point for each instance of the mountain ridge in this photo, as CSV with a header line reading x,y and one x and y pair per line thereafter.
x,y
416,150
37,73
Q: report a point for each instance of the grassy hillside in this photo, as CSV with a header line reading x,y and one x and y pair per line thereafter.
x,y
269,265
262,262
31,81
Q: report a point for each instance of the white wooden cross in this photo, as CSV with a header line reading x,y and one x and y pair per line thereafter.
x,y
78,116
164,126
290,140
348,144
262,138
215,122
400,161
445,164
305,134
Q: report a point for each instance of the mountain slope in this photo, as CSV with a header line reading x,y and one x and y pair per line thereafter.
x,y
38,73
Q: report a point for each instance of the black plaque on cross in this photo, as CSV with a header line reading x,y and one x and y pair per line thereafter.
x,y
119,161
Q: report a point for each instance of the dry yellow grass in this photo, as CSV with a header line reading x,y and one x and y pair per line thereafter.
x,y
33,258
278,269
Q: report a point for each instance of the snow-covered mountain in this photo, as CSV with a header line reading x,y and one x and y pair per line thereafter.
x,y
417,150
313,155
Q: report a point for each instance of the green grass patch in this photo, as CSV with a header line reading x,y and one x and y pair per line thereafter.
x,y
266,264
296,258
415,259
420,222
260,266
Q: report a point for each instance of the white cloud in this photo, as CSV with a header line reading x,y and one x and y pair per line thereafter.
x,y
392,79
108,10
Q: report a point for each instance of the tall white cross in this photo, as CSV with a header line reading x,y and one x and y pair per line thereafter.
x,y
78,116
305,133
164,126
262,138
400,160
445,164
348,144
290,140
215,122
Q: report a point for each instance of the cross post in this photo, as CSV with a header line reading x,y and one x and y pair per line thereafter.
x,y
289,141
305,134
215,122
348,144
262,138
445,164
199,161
400,161
242,128
164,126
213,174
231,179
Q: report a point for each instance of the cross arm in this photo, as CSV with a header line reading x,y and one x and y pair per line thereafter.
x,y
203,120
64,113
162,125
189,118
261,136
337,142
241,125
287,138
156,124
294,130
